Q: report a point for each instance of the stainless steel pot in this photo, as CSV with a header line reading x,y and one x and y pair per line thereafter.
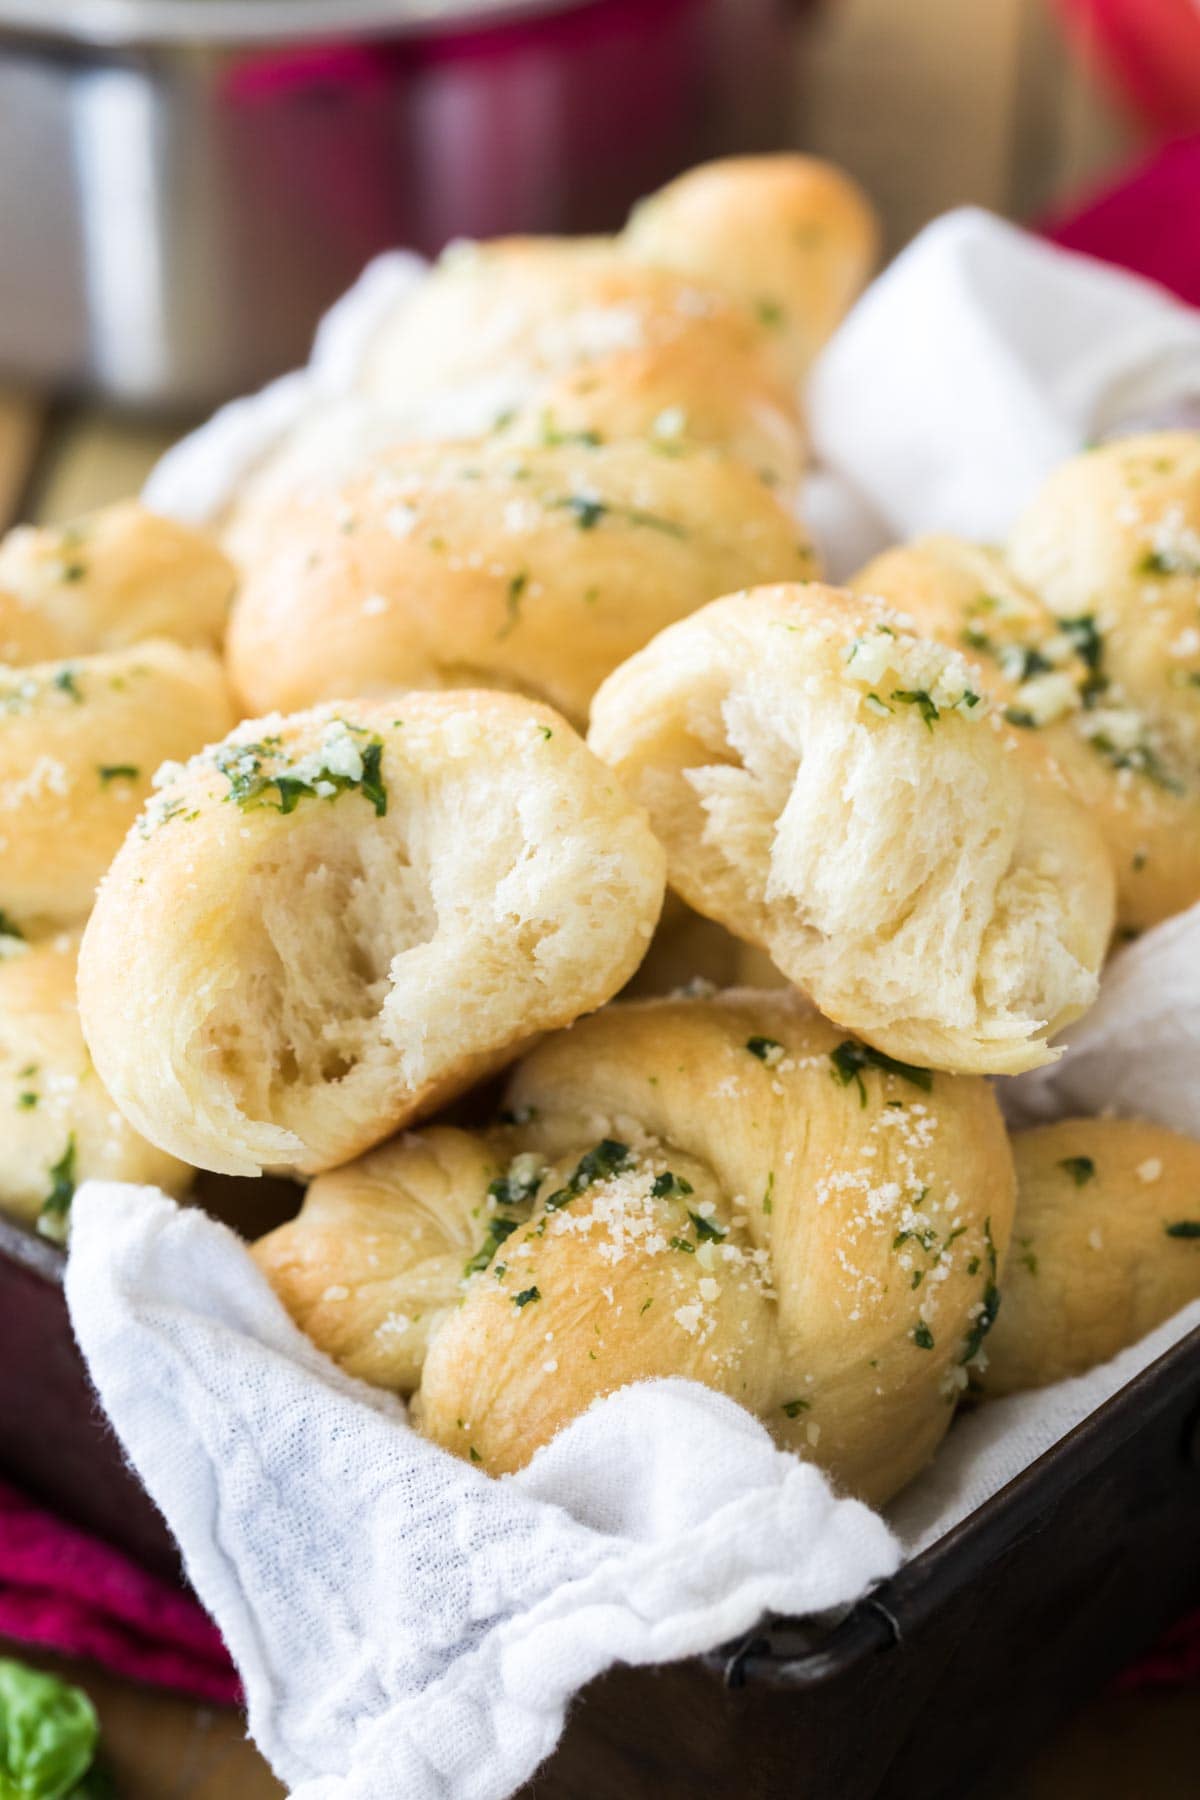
x,y
186,184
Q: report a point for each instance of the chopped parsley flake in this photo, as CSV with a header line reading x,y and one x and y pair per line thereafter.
x,y
851,1058
608,1158
706,1231
340,766
498,1229
1165,562
66,683
922,700
552,435
521,1182
56,1207
475,1456
588,511
670,1187
1141,758
8,929
678,1243
769,1195
27,1100
922,1337
1081,1169
526,1296
512,602
1183,1228
986,1317
1085,639
768,1050
793,1408
117,772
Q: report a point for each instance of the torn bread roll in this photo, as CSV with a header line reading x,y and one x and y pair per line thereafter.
x,y
537,569
61,1127
330,924
832,788
1106,1245
729,1189
1051,675
80,742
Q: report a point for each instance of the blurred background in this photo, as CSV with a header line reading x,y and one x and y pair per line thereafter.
x,y
185,185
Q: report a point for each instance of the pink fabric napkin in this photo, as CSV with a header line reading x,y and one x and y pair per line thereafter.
x,y
1148,222
64,1590
1149,50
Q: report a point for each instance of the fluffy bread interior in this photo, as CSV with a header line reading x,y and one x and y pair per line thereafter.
x,y
831,788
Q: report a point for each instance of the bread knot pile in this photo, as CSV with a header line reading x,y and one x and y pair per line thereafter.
x,y
532,702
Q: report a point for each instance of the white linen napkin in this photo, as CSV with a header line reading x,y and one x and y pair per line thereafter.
x,y
404,1626
980,359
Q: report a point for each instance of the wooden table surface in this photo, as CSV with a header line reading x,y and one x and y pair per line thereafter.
x,y
1026,129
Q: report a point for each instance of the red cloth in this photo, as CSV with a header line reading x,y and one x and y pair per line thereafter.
x,y
66,1591
63,1590
1149,50
1149,221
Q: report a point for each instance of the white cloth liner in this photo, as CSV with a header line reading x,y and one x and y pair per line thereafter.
x,y
404,1626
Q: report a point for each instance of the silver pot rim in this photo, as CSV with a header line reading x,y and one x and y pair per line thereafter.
x,y
212,22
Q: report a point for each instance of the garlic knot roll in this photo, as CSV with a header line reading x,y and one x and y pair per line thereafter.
x,y
731,1190
575,332
793,238
1106,1245
80,742
331,923
106,581
60,1126
537,568
1057,682
833,789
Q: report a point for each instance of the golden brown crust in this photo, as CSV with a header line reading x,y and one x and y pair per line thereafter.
x,y
374,1260
1106,1245
726,1189
1051,681
537,569
79,744
60,1126
1114,536
334,922
791,237
831,788
108,580
577,333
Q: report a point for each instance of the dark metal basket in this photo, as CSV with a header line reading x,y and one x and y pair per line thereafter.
x,y
934,1688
